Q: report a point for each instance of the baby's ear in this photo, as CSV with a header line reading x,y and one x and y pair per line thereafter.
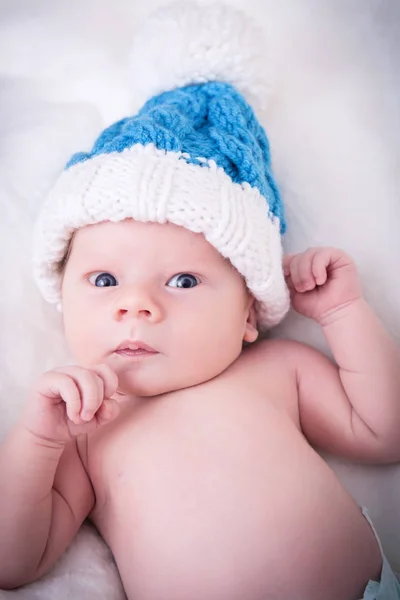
x,y
251,332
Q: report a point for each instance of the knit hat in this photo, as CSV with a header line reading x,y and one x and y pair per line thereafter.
x,y
194,155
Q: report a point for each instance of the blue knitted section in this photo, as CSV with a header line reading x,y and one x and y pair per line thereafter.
x,y
210,120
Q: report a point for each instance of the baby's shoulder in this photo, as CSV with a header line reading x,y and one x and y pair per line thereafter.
x,y
265,360
277,358
268,368
279,352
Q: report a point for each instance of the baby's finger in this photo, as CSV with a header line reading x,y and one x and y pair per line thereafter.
x,y
320,263
290,284
299,272
109,378
108,411
306,276
287,260
60,385
90,388
293,272
92,393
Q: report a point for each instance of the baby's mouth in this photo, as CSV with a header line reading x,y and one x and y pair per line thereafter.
x,y
135,349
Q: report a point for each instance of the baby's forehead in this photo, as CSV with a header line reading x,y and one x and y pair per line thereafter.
x,y
142,238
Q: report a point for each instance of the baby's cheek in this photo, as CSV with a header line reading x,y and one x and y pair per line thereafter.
x,y
81,342
212,357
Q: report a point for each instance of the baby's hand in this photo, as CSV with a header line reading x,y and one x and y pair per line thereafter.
x,y
321,281
71,401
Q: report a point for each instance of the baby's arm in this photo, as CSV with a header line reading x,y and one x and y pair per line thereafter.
x,y
365,386
38,518
46,493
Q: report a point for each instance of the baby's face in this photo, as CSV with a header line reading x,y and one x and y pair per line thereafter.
x,y
155,302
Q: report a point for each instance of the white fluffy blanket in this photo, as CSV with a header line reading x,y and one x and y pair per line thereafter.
x,y
334,126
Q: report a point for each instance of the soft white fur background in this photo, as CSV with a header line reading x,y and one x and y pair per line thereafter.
x,y
334,126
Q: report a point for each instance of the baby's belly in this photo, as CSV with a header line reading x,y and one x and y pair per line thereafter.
x,y
226,504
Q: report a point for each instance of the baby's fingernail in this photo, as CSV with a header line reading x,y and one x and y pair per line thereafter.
x,y
86,415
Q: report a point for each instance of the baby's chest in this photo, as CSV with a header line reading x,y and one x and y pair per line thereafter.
x,y
187,449
221,482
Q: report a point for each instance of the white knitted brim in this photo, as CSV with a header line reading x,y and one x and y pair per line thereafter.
x,y
147,184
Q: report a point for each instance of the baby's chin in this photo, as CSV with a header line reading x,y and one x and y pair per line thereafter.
x,y
133,386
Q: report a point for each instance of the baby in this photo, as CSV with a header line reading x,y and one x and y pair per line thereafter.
x,y
188,443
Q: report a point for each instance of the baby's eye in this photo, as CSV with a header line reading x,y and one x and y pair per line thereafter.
x,y
183,280
103,279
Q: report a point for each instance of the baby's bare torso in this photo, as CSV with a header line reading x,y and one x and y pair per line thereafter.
x,y
213,493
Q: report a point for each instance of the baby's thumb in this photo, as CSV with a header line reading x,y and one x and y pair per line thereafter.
x,y
108,411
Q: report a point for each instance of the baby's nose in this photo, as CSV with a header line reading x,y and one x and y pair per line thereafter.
x,y
138,303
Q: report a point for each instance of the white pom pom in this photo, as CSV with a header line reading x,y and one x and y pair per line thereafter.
x,y
186,42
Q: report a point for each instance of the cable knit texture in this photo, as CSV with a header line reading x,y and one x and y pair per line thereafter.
x,y
206,121
195,156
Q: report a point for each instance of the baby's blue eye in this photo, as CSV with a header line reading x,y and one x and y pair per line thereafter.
x,y
103,280
183,280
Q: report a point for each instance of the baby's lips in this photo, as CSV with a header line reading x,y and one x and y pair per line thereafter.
x,y
135,345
